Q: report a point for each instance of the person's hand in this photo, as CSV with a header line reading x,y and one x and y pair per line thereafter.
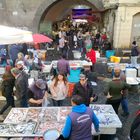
x,y
39,101
122,92
91,99
108,96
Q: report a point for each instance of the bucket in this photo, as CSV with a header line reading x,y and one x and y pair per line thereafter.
x,y
110,53
117,59
112,58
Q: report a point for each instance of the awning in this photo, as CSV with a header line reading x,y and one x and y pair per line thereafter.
x,y
11,35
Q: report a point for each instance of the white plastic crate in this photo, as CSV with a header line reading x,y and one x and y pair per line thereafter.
x,y
131,72
46,68
2,70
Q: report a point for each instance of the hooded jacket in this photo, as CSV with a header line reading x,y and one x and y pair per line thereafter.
x,y
69,128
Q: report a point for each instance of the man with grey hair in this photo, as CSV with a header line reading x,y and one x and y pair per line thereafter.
x,y
21,85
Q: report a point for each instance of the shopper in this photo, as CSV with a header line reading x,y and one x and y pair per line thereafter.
x,y
7,91
59,89
21,85
114,90
134,53
84,89
37,93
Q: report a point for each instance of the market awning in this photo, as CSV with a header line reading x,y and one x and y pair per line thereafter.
x,y
11,35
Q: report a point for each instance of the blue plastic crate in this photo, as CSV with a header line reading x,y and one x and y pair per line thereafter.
x,y
110,53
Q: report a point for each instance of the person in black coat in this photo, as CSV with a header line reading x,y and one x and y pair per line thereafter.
x,y
135,128
7,91
84,89
21,85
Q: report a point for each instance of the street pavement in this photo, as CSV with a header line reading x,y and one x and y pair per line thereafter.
x,y
133,100
134,105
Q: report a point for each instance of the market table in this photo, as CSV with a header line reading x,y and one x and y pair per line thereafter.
x,y
126,52
33,121
74,63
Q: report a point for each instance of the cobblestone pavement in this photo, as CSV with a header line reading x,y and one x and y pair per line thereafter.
x,y
134,105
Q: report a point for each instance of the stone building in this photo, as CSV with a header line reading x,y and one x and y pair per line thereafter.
x,y
119,18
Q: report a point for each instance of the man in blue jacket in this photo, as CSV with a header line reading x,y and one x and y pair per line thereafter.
x,y
79,121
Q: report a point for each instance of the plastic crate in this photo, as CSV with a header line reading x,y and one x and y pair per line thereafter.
x,y
110,53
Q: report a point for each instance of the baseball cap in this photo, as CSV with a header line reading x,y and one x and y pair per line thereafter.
x,y
40,84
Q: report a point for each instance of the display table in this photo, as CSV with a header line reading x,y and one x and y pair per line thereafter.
x,y
126,52
74,63
109,120
33,122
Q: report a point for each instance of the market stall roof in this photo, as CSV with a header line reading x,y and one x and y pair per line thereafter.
x,y
40,38
11,35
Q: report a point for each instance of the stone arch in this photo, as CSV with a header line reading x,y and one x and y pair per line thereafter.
x,y
46,5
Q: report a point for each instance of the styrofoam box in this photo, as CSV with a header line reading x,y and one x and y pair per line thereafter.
x,y
131,72
2,70
47,68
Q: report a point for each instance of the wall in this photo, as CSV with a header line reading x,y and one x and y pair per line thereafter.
x,y
123,26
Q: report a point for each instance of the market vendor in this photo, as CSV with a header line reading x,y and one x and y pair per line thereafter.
x,y
91,56
37,93
79,121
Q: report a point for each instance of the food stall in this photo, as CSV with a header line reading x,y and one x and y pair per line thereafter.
x,y
33,122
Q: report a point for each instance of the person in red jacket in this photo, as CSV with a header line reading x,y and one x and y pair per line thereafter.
x,y
91,56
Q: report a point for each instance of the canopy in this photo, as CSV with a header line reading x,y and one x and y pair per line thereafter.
x,y
39,38
11,35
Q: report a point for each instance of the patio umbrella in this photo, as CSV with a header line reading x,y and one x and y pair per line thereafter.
x,y
39,38
11,35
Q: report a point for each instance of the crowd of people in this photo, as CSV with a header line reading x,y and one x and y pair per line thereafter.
x,y
19,63
81,40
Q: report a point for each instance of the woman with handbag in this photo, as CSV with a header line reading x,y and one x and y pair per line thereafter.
x,y
7,91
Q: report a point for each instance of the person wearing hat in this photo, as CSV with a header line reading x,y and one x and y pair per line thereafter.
x,y
91,56
84,89
36,92
21,85
63,65
135,127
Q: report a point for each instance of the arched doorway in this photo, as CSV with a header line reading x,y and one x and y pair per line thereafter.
x,y
51,11
136,28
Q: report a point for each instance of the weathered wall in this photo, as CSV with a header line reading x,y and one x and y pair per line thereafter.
x,y
123,26
20,13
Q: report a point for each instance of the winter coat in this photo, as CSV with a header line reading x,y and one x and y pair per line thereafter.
x,y
85,93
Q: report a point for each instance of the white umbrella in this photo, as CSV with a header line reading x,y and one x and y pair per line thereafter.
x,y
11,35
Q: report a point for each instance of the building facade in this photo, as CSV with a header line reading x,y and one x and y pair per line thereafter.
x,y
119,18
